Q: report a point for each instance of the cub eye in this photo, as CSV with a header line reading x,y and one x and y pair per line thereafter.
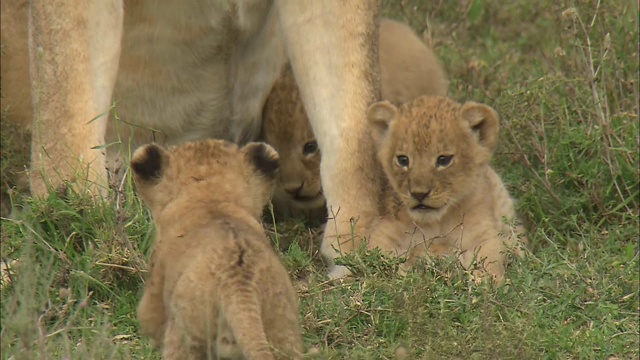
x,y
444,160
402,160
310,147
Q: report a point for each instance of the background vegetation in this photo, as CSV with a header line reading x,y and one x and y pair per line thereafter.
x,y
564,77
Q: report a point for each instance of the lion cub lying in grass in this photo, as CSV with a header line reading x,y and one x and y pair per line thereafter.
x,y
444,197
408,69
216,287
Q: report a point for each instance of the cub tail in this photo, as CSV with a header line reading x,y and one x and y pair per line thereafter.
x,y
241,309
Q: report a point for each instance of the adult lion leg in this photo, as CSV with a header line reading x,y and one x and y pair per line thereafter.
x,y
14,72
256,67
74,51
332,46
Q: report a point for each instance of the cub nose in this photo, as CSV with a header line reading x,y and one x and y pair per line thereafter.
x,y
420,195
293,189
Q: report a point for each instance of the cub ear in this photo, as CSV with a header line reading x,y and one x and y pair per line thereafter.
x,y
483,121
149,163
380,116
263,157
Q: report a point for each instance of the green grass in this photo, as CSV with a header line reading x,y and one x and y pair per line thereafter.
x,y
564,77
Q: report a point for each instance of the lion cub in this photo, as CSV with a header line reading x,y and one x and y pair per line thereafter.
x,y
408,68
444,197
216,287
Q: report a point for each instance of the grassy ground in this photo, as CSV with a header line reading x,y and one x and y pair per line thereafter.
x,y
564,77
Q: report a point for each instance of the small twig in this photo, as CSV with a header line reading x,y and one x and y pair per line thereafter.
x,y
308,293
67,329
128,268
509,308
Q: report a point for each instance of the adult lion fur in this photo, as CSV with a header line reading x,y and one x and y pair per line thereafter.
x,y
107,76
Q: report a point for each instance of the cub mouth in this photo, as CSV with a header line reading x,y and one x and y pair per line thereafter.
x,y
423,208
301,198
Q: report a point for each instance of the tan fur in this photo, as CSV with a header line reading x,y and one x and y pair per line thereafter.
x,y
180,71
216,286
14,57
457,207
408,69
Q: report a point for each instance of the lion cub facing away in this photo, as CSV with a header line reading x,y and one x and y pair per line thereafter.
x,y
408,69
444,197
216,287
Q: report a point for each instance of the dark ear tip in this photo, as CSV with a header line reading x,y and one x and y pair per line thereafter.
x,y
265,158
147,161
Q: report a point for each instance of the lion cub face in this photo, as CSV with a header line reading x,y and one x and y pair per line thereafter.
x,y
432,150
286,127
209,171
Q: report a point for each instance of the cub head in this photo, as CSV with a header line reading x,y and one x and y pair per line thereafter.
x,y
286,127
433,150
209,171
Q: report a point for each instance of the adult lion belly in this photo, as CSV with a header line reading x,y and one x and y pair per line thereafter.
x,y
175,77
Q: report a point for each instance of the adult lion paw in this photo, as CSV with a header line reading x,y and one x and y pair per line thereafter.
x,y
338,272
340,238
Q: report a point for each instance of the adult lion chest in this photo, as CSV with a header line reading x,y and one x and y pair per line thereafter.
x,y
176,67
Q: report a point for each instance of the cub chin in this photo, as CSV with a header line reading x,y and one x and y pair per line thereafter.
x,y
443,196
216,287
